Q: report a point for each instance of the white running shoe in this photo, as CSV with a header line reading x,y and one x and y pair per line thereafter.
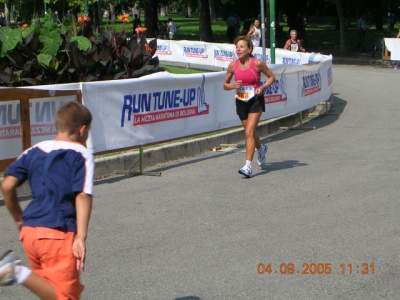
x,y
261,159
246,171
8,261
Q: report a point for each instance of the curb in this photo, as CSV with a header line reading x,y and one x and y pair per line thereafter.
x,y
105,166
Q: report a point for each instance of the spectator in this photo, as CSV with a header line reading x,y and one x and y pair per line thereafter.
x,y
361,27
172,29
14,14
294,44
68,14
55,16
136,22
237,27
230,31
255,33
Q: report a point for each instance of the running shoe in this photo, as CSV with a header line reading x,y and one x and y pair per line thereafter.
x,y
246,171
261,155
7,264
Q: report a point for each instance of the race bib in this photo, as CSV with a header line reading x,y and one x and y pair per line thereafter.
x,y
294,47
245,93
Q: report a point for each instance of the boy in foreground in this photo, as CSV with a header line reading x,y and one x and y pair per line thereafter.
x,y
53,227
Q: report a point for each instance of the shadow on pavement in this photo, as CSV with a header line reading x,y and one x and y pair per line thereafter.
x,y
318,122
281,165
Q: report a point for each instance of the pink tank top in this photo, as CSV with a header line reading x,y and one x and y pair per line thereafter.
x,y
250,76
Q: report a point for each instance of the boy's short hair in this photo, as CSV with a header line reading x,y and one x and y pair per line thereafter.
x,y
71,115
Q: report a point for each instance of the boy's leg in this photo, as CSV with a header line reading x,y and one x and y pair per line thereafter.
x,y
41,287
12,272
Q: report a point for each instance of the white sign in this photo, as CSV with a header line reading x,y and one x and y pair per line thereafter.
x,y
164,106
41,111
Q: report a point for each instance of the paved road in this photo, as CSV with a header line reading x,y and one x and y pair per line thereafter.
x,y
327,196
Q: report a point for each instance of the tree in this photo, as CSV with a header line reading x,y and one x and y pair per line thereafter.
x,y
213,13
151,17
205,29
342,21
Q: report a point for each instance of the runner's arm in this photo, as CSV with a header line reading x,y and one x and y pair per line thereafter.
x,y
262,68
9,189
301,47
228,77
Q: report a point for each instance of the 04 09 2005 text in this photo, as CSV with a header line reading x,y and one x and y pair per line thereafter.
x,y
316,268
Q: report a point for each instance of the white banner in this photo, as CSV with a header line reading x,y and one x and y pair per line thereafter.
x,y
10,129
41,111
164,106
220,55
393,46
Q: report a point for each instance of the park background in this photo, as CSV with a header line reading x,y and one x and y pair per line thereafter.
x,y
331,24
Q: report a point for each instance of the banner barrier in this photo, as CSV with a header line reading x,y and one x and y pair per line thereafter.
x,y
220,55
393,46
41,111
165,106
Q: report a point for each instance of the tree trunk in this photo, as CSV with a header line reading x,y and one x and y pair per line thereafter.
x,y
205,29
151,17
342,22
99,13
189,11
112,14
213,13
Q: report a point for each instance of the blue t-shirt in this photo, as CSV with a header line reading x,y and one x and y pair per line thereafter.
x,y
57,171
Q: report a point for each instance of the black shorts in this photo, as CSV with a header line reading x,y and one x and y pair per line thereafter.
x,y
252,106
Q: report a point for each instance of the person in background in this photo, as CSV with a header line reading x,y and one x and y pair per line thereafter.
x,y
250,103
361,28
231,22
294,44
172,29
136,22
68,14
255,33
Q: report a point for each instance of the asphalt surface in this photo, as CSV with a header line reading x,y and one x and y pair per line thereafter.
x,y
326,201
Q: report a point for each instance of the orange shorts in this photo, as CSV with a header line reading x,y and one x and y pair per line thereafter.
x,y
49,253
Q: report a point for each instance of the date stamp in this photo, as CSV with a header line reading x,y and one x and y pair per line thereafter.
x,y
316,268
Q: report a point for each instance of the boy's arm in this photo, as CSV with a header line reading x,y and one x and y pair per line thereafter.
x,y
9,189
83,204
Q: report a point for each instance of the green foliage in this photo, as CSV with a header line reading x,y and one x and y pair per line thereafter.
x,y
9,39
51,41
48,54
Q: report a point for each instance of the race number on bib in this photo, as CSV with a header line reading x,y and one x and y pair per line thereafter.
x,y
294,47
245,93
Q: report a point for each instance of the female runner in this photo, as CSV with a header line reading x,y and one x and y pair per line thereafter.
x,y
249,97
